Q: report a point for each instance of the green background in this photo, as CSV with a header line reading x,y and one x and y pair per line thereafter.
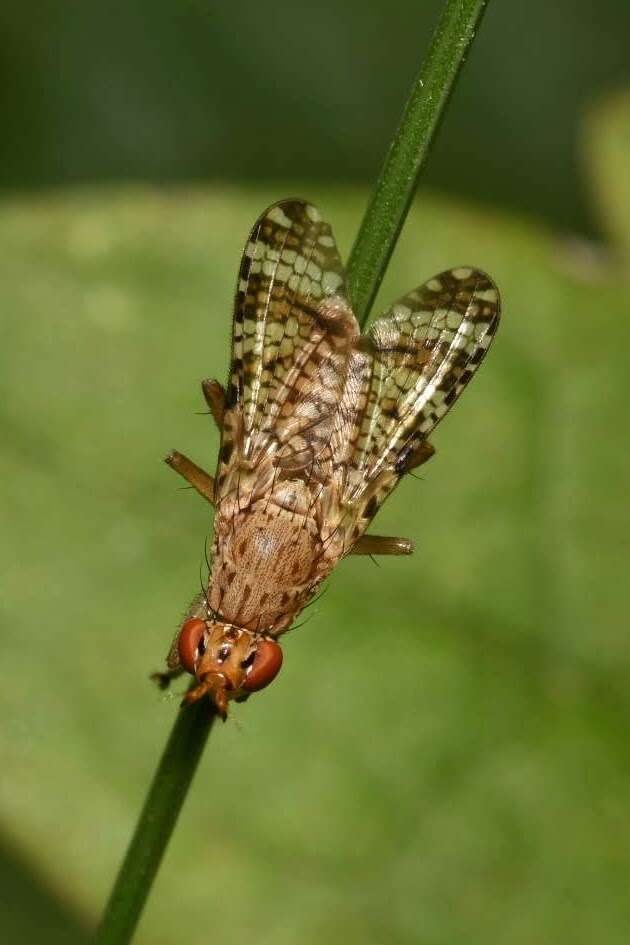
x,y
186,89
444,757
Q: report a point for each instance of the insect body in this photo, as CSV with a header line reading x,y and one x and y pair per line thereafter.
x,y
318,425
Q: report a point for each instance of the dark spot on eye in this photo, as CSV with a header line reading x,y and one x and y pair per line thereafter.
x,y
246,663
224,652
201,648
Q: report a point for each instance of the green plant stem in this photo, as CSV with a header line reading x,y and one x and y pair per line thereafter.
x,y
154,828
369,258
408,152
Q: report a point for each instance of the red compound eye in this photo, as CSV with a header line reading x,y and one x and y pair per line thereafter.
x,y
266,666
190,643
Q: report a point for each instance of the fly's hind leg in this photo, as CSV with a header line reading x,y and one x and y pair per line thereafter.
x,y
382,545
215,399
420,454
413,457
198,478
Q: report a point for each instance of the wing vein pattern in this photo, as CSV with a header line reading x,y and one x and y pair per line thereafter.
x,y
321,422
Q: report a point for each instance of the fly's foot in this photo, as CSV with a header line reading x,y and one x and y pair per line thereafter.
x,y
165,678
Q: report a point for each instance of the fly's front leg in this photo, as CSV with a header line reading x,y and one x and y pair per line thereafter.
x,y
195,475
165,678
382,545
198,608
173,667
215,399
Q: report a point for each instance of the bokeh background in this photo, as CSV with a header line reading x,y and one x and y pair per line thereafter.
x,y
445,755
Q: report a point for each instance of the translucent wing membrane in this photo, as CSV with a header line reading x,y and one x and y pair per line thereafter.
x,y
311,399
291,329
417,360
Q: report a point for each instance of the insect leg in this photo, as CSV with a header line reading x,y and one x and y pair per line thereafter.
x,y
164,678
421,454
174,668
195,475
381,545
215,399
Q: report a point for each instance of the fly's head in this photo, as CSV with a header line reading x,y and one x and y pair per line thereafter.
x,y
227,661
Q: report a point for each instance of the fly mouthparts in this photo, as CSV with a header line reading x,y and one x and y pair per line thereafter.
x,y
215,686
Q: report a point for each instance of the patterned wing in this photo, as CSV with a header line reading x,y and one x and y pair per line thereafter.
x,y
292,328
416,360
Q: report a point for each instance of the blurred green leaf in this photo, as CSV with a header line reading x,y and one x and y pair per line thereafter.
x,y
30,912
606,139
444,757
172,90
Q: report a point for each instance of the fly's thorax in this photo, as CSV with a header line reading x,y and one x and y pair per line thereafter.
x,y
293,495
265,564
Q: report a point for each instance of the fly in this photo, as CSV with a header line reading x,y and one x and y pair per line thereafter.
x,y
318,425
